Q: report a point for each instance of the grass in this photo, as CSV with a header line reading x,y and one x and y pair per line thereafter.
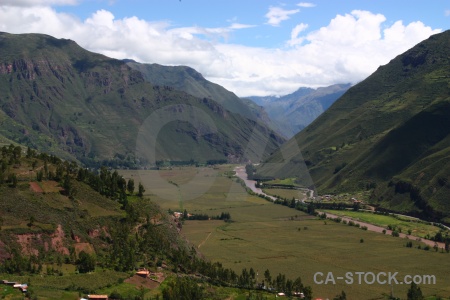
x,y
9,293
420,229
279,245
199,190
69,285
268,236
126,290
285,193
19,204
385,128
285,181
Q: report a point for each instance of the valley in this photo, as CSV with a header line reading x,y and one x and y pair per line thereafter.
x,y
110,167
263,235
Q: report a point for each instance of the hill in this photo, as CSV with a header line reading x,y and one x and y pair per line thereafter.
x,y
67,231
53,210
388,134
291,113
57,97
188,80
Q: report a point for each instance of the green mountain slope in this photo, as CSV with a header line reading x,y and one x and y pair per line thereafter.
x,y
192,82
389,133
57,97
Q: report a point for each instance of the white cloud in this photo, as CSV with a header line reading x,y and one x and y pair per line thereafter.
x,y
240,26
295,39
276,15
348,49
306,4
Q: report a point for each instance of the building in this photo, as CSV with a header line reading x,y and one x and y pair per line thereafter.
x,y
98,297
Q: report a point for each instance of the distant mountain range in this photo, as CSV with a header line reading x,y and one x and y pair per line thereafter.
x,y
60,98
291,113
388,135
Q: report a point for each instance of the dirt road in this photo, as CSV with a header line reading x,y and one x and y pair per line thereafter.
x,y
240,172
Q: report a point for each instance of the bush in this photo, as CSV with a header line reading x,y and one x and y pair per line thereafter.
x,y
85,262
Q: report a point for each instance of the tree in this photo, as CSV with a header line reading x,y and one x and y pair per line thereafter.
x,y
250,170
68,186
12,179
311,208
31,221
85,262
182,286
267,276
307,291
341,296
297,285
141,190
414,292
17,153
39,175
130,186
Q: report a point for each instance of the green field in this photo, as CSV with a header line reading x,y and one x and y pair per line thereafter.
x,y
286,181
198,190
268,236
62,287
420,229
285,193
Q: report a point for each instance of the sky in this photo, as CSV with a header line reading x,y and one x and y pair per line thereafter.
x,y
251,47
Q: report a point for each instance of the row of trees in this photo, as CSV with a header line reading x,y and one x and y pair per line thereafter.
x,y
9,156
104,181
225,216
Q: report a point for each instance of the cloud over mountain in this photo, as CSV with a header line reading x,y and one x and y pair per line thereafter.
x,y
348,49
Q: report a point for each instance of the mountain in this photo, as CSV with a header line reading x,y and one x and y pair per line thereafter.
x,y
388,134
188,80
291,113
58,97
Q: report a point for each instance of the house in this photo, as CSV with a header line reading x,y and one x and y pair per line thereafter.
x,y
23,287
143,272
97,297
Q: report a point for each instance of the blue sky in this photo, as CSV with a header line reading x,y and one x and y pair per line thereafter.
x,y
250,47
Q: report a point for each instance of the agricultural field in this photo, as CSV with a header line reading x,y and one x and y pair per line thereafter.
x,y
285,193
198,190
56,287
263,236
417,228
